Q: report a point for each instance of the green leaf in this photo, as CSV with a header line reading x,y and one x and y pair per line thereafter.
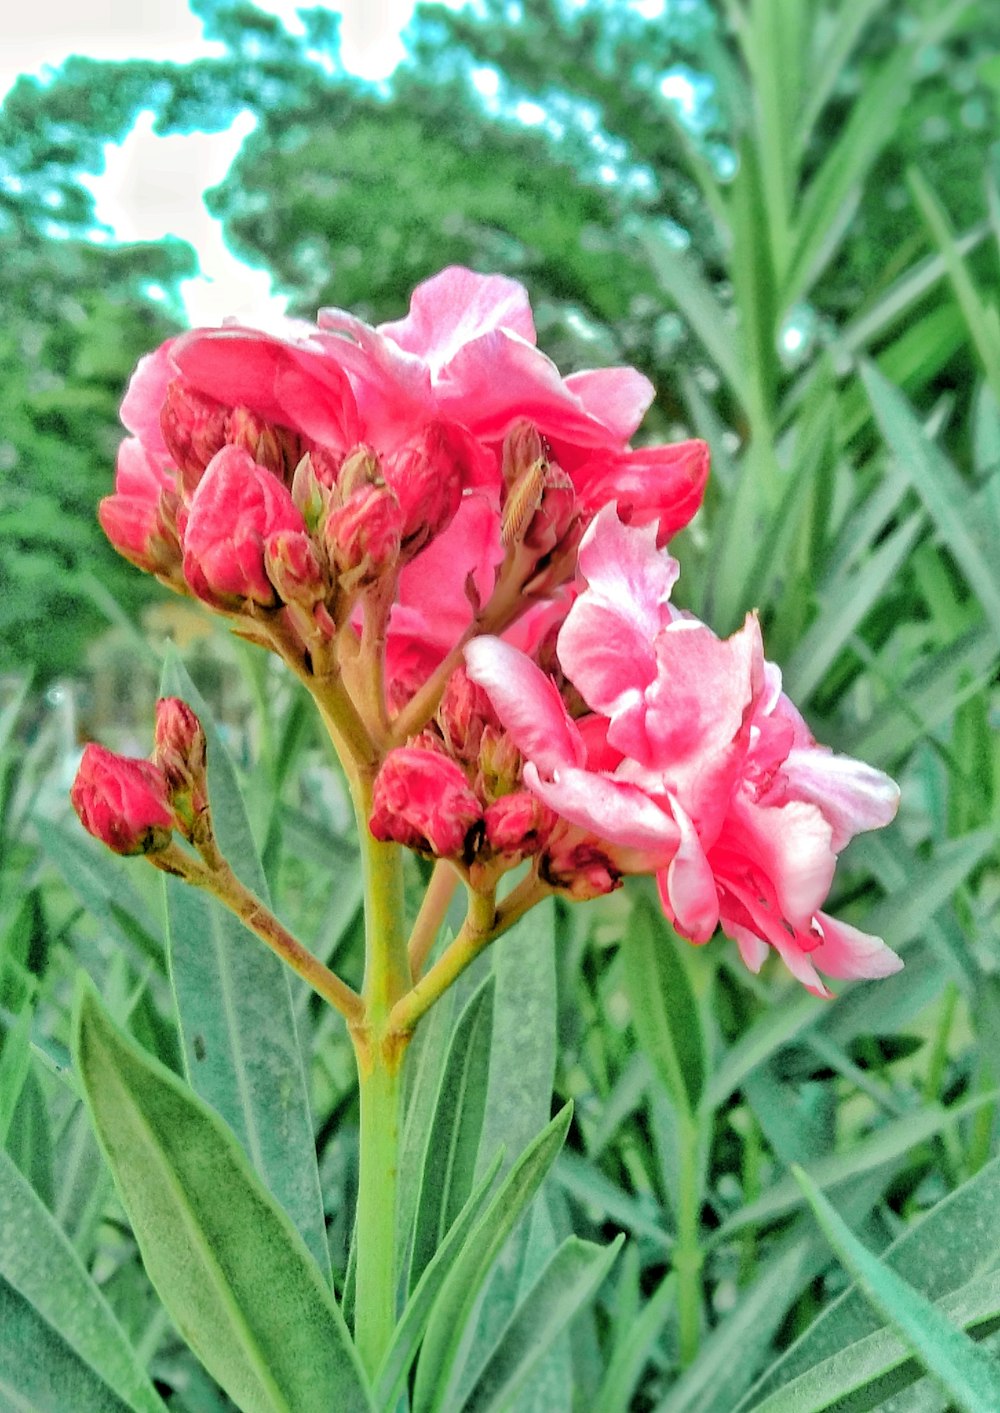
x,y
963,1371
569,1280
664,1008
939,486
453,1135
413,1322
234,1004
956,1241
39,1264
229,1266
448,1329
882,1147
634,1351
39,1371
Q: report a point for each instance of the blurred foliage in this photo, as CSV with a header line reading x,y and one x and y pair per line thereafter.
x,y
805,263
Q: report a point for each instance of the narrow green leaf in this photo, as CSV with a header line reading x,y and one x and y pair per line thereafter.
x,y
882,1148
569,1280
957,1241
422,1077
939,486
234,1005
679,277
454,1132
982,329
963,1371
38,1262
834,44
15,1061
413,1322
447,1332
664,1008
229,1266
633,1353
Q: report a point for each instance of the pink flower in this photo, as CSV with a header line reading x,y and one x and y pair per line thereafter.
x,y
423,800
139,518
236,508
123,802
692,756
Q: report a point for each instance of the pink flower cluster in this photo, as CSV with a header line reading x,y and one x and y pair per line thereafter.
x,y
425,457
390,496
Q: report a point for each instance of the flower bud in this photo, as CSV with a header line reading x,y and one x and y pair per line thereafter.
x,y
123,802
179,753
499,763
523,448
427,475
363,534
279,449
194,429
236,508
360,468
294,568
518,824
579,867
422,799
541,524
310,489
464,712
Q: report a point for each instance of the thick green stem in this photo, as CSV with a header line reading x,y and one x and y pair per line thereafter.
x,y
379,1057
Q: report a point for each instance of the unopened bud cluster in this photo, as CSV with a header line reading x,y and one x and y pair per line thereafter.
x,y
133,806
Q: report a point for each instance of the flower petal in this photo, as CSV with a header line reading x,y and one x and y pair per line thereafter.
x,y
849,953
612,809
853,796
527,703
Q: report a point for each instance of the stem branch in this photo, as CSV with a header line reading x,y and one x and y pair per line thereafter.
x,y
440,891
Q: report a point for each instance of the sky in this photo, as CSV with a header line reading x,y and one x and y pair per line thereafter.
x,y
152,186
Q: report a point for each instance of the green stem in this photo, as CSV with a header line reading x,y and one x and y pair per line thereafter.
x,y
379,1054
687,1251
440,889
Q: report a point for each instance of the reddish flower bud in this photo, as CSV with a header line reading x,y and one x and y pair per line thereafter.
x,y
359,469
179,744
579,867
422,799
363,534
194,429
125,803
464,712
294,568
518,824
236,508
427,475
278,449
541,524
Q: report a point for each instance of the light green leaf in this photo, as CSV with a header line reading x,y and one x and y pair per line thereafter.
x,y
664,1007
410,1329
957,1241
964,1372
454,1131
39,1371
39,1264
234,1004
631,1355
569,1280
882,1147
448,1331
939,486
229,1266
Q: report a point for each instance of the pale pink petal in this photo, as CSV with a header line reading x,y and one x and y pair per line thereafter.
x,y
617,397
140,410
456,306
527,703
848,953
853,796
690,885
606,645
799,963
753,949
791,845
611,809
